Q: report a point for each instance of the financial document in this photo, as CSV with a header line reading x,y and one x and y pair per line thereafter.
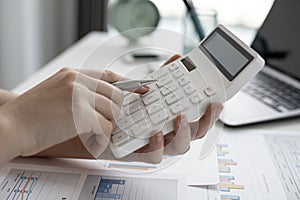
x,y
24,182
257,165
197,171
34,184
285,154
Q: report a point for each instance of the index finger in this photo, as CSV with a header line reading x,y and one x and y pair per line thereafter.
x,y
106,75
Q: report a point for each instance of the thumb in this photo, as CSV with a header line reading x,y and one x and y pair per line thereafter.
x,y
156,148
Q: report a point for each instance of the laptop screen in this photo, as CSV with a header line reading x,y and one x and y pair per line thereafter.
x,y
278,40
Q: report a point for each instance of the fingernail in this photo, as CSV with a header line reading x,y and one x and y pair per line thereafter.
x,y
159,138
146,87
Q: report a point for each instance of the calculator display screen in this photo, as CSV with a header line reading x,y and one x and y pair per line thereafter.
x,y
189,65
226,54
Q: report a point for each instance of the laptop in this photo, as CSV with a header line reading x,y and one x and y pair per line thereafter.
x,y
275,92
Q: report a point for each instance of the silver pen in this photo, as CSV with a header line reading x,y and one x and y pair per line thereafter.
x,y
130,85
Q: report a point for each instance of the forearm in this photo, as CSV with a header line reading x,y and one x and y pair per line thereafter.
x,y
10,144
6,96
72,148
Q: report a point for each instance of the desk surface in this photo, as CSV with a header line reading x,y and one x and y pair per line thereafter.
x,y
77,54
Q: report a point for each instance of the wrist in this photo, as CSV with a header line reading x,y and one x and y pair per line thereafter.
x,y
18,138
6,96
9,139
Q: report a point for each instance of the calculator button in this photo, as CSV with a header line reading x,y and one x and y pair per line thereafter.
x,y
177,73
178,94
124,123
119,138
153,108
183,81
170,99
154,96
209,91
137,116
189,89
179,106
173,97
163,81
130,98
131,108
173,66
122,112
159,117
138,129
195,98
168,89
160,73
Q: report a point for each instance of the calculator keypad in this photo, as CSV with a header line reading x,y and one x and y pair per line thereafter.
x,y
172,94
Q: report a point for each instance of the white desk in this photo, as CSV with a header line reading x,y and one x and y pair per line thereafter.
x,y
75,57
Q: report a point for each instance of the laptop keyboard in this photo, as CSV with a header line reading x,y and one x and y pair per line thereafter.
x,y
273,92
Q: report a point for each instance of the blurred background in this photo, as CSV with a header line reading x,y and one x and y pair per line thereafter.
x,y
32,32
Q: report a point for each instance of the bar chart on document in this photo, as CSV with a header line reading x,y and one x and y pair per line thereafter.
x,y
259,166
127,188
22,184
229,186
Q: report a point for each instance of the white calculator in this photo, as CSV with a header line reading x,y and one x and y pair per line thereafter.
x,y
212,72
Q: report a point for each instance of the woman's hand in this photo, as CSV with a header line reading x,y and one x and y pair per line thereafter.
x,y
70,103
174,143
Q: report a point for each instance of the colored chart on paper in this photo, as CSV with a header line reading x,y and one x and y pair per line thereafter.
x,y
22,184
257,165
98,187
227,179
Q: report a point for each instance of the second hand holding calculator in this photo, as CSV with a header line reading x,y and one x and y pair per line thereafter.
x,y
212,72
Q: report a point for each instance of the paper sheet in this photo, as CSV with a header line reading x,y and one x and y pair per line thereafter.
x,y
197,171
21,181
255,165
259,165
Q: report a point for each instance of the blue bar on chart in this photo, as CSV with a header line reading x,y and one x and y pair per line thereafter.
x,y
108,188
230,197
224,169
224,178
